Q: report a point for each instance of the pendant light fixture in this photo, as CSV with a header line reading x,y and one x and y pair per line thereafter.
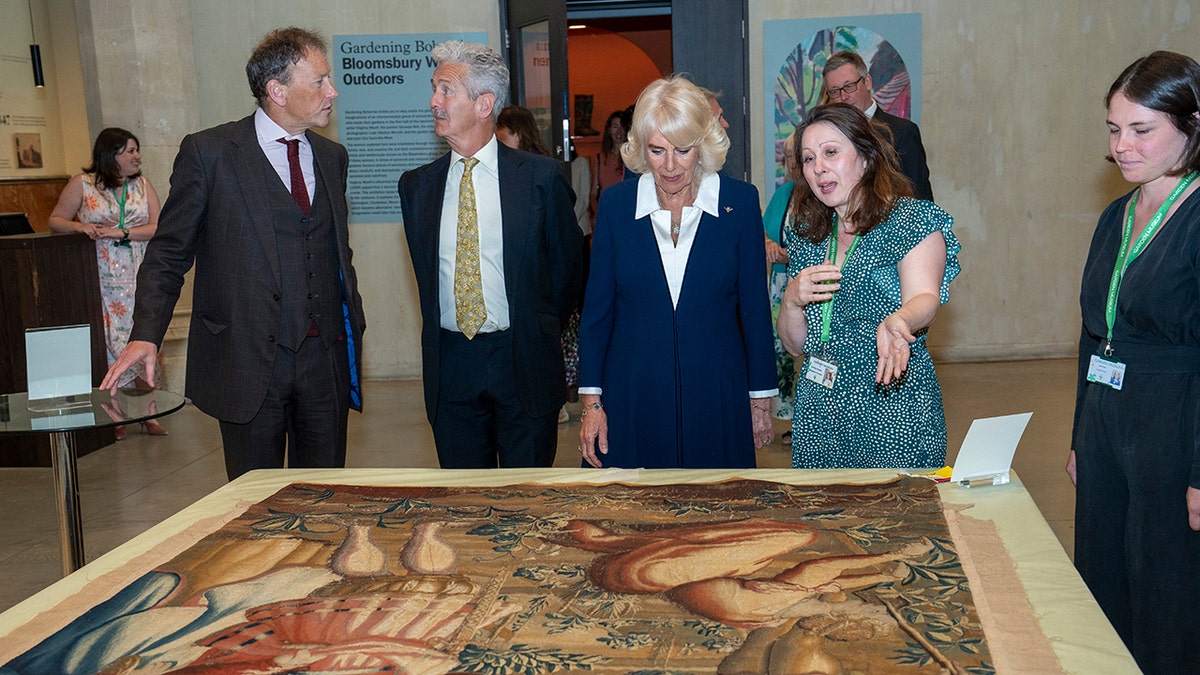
x,y
35,53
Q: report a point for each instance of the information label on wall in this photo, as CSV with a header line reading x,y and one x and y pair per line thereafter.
x,y
383,115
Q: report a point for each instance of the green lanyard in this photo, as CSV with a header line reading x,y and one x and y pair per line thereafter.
x,y
1126,254
121,218
827,308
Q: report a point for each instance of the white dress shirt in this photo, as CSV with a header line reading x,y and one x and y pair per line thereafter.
x,y
675,255
486,178
269,134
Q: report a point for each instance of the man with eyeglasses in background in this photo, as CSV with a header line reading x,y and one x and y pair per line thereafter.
x,y
847,81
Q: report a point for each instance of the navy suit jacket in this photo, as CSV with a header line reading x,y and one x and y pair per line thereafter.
x,y
906,137
676,380
542,261
215,217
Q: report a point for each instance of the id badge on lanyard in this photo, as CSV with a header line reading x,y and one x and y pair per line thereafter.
x,y
823,369
1105,369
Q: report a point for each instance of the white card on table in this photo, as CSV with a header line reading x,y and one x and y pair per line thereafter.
x,y
987,451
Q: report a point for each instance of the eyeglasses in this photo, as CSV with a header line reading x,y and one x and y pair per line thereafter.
x,y
845,89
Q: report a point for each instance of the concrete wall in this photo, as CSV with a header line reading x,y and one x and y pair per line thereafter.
x,y
1012,117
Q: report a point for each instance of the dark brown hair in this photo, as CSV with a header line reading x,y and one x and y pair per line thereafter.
x,y
110,143
522,123
606,141
873,198
1170,84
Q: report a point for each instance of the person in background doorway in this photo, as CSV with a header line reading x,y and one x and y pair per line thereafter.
x,y
608,167
517,128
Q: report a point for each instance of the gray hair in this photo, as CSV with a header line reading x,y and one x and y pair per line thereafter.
x,y
486,72
843,58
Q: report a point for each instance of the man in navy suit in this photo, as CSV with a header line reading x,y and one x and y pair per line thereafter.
x,y
496,253
847,81
259,207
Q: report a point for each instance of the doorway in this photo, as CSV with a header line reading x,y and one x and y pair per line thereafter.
x,y
620,47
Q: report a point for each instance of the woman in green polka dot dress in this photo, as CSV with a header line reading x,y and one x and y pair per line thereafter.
x,y
869,267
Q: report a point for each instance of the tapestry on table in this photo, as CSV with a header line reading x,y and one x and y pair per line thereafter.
x,y
734,577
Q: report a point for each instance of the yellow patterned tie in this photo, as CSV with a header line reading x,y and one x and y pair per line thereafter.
x,y
468,287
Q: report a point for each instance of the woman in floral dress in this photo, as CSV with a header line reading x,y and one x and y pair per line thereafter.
x,y
115,205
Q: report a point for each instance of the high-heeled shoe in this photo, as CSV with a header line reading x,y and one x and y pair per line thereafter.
x,y
153,428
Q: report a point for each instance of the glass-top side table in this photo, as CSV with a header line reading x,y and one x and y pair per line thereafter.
x,y
99,410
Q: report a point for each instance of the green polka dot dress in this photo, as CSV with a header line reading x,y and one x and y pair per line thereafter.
x,y
853,425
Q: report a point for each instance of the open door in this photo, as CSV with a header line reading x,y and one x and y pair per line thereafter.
x,y
536,49
535,42
697,25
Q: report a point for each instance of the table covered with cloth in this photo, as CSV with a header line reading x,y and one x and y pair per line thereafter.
x,y
566,570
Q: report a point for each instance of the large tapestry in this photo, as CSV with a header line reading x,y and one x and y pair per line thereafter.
x,y
735,577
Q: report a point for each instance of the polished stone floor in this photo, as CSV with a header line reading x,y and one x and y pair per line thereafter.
x,y
129,486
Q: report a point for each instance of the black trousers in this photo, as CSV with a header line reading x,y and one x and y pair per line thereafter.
x,y
480,422
1133,546
303,416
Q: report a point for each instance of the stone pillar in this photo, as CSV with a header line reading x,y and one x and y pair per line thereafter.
x,y
139,73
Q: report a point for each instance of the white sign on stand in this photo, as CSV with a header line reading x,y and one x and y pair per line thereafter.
x,y
58,362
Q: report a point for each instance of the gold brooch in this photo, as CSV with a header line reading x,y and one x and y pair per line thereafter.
x,y
728,209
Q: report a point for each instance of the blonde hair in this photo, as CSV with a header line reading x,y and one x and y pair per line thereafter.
x,y
679,110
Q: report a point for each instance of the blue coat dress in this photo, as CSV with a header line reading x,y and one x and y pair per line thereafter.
x,y
676,380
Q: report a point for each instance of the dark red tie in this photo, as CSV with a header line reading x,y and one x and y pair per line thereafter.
x,y
299,189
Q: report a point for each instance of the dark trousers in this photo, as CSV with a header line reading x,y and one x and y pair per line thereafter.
x,y
480,422
303,415
1133,546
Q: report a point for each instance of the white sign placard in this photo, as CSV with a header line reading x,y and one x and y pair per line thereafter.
x,y
58,362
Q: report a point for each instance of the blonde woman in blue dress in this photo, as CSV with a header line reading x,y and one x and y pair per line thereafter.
x,y
115,205
869,267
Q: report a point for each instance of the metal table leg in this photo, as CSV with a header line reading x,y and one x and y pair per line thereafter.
x,y
66,490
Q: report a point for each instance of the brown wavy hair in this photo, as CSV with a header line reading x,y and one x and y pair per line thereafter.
x,y
882,183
